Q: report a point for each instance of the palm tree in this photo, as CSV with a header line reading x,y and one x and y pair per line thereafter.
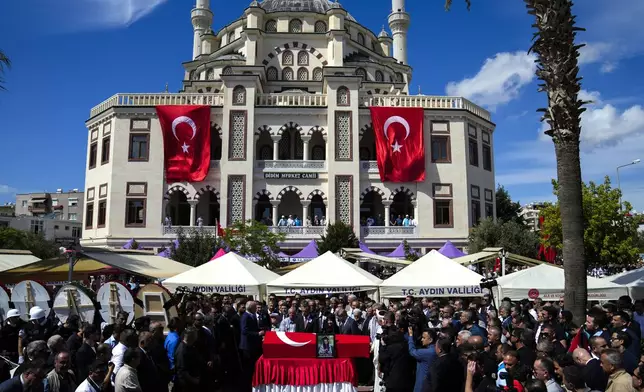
x,y
4,63
558,69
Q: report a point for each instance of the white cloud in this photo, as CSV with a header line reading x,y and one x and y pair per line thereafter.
x,y
499,80
608,67
593,96
594,52
6,189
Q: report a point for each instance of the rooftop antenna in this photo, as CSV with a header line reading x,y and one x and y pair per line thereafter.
x,y
166,87
419,93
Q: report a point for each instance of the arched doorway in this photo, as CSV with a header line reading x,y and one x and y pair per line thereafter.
x,y
317,145
317,208
264,210
178,209
372,207
290,204
291,146
402,205
368,145
264,146
208,208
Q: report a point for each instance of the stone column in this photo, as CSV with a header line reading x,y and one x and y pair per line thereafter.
x,y
193,211
276,146
305,211
387,204
326,211
275,204
306,140
415,204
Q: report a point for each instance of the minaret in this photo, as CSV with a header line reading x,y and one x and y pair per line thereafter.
x,y
398,24
201,20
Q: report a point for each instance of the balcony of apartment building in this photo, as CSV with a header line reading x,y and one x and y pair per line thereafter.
x,y
290,151
386,217
39,204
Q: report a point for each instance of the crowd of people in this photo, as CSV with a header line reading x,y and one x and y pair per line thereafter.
x,y
417,344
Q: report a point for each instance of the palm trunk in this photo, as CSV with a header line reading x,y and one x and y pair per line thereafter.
x,y
572,222
557,59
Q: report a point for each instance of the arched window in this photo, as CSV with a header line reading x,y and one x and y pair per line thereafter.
x,y
271,26
379,76
271,73
361,38
287,58
287,74
320,27
231,37
227,71
399,77
295,26
343,96
317,74
302,74
210,74
302,58
192,75
361,72
239,95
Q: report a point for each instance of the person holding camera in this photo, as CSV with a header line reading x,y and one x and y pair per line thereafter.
x,y
424,356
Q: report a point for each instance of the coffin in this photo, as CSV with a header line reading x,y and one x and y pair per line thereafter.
x,y
304,345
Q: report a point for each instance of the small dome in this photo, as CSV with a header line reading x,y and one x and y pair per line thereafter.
x,y
317,6
383,33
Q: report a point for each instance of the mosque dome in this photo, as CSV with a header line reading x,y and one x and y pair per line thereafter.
x,y
317,6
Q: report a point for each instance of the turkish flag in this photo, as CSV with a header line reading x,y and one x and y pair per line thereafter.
x,y
186,141
400,143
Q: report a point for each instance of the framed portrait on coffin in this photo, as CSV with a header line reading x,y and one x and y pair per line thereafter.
x,y
326,346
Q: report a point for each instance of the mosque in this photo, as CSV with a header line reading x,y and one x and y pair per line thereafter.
x,y
290,84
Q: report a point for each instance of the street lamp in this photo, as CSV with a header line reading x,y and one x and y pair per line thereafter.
x,y
619,186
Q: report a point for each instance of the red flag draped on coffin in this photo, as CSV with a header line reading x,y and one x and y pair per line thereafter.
x,y
400,144
186,141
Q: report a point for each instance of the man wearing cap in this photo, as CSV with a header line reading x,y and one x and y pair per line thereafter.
x,y
39,327
9,335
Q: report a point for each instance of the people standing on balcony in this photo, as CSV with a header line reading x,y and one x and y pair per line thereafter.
x,y
290,221
296,221
200,222
167,221
316,221
406,221
282,221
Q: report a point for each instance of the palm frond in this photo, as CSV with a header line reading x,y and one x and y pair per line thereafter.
x,y
5,63
448,4
558,66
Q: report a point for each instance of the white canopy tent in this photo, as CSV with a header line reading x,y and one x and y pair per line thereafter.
x,y
228,274
547,282
433,275
326,274
633,280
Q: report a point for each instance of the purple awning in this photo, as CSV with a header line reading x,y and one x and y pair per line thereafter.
x,y
128,245
365,249
398,252
449,250
309,252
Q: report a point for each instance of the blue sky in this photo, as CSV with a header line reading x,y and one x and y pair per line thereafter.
x,y
70,55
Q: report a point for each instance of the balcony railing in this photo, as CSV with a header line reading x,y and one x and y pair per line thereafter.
x,y
292,165
369,166
305,100
152,100
393,231
299,231
425,101
187,230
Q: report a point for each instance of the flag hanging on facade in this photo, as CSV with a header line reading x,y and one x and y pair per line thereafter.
x,y
186,141
400,144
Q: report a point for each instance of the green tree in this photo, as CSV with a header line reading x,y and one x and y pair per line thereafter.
x,y
558,68
5,63
506,209
410,254
610,231
40,247
338,235
513,236
196,247
254,239
640,241
134,245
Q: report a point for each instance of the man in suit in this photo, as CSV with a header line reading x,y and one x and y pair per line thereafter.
x,y
86,355
31,379
348,326
250,343
149,377
446,372
306,321
594,375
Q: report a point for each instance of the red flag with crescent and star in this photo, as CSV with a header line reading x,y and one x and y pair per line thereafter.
x,y
186,141
400,144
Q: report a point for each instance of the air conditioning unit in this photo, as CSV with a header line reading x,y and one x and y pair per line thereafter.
x,y
59,190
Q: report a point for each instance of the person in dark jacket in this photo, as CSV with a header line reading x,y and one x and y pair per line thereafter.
x,y
147,373
250,343
446,372
396,364
9,335
86,354
157,352
187,363
30,380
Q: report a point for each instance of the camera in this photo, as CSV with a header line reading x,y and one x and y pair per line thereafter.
x,y
488,283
